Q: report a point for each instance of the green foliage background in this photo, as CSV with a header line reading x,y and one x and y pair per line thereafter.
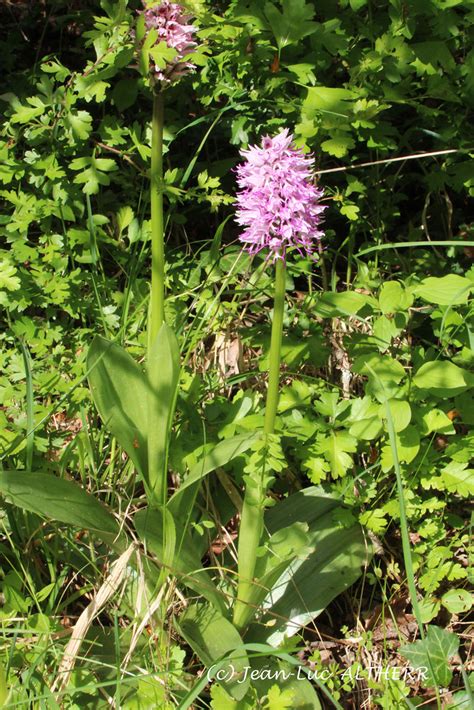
x,y
359,82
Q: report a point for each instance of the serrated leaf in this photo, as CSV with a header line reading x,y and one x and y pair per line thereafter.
x,y
374,520
330,405
8,278
350,211
279,699
80,123
293,23
455,478
339,145
124,218
162,54
25,114
95,172
336,448
317,469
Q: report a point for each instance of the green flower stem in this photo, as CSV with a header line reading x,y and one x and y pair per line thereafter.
x,y
157,312
275,348
251,523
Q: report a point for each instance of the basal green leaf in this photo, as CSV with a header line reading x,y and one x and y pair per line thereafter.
x,y
163,369
220,455
338,558
119,390
4,689
57,499
185,563
212,637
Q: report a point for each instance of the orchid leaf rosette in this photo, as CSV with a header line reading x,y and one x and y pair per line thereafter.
x,y
280,210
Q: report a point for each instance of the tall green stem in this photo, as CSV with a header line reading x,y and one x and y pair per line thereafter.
x,y
157,312
251,524
275,348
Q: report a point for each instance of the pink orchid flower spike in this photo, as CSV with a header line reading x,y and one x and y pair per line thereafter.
x,y
278,203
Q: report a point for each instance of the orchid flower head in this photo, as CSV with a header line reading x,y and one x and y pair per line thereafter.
x,y
278,203
173,26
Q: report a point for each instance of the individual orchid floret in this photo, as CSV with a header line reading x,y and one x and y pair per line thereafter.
x,y
173,26
278,203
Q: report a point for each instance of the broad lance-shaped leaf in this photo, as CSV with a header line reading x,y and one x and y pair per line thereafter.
x,y
119,390
220,455
308,585
57,499
275,555
163,379
213,637
290,679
